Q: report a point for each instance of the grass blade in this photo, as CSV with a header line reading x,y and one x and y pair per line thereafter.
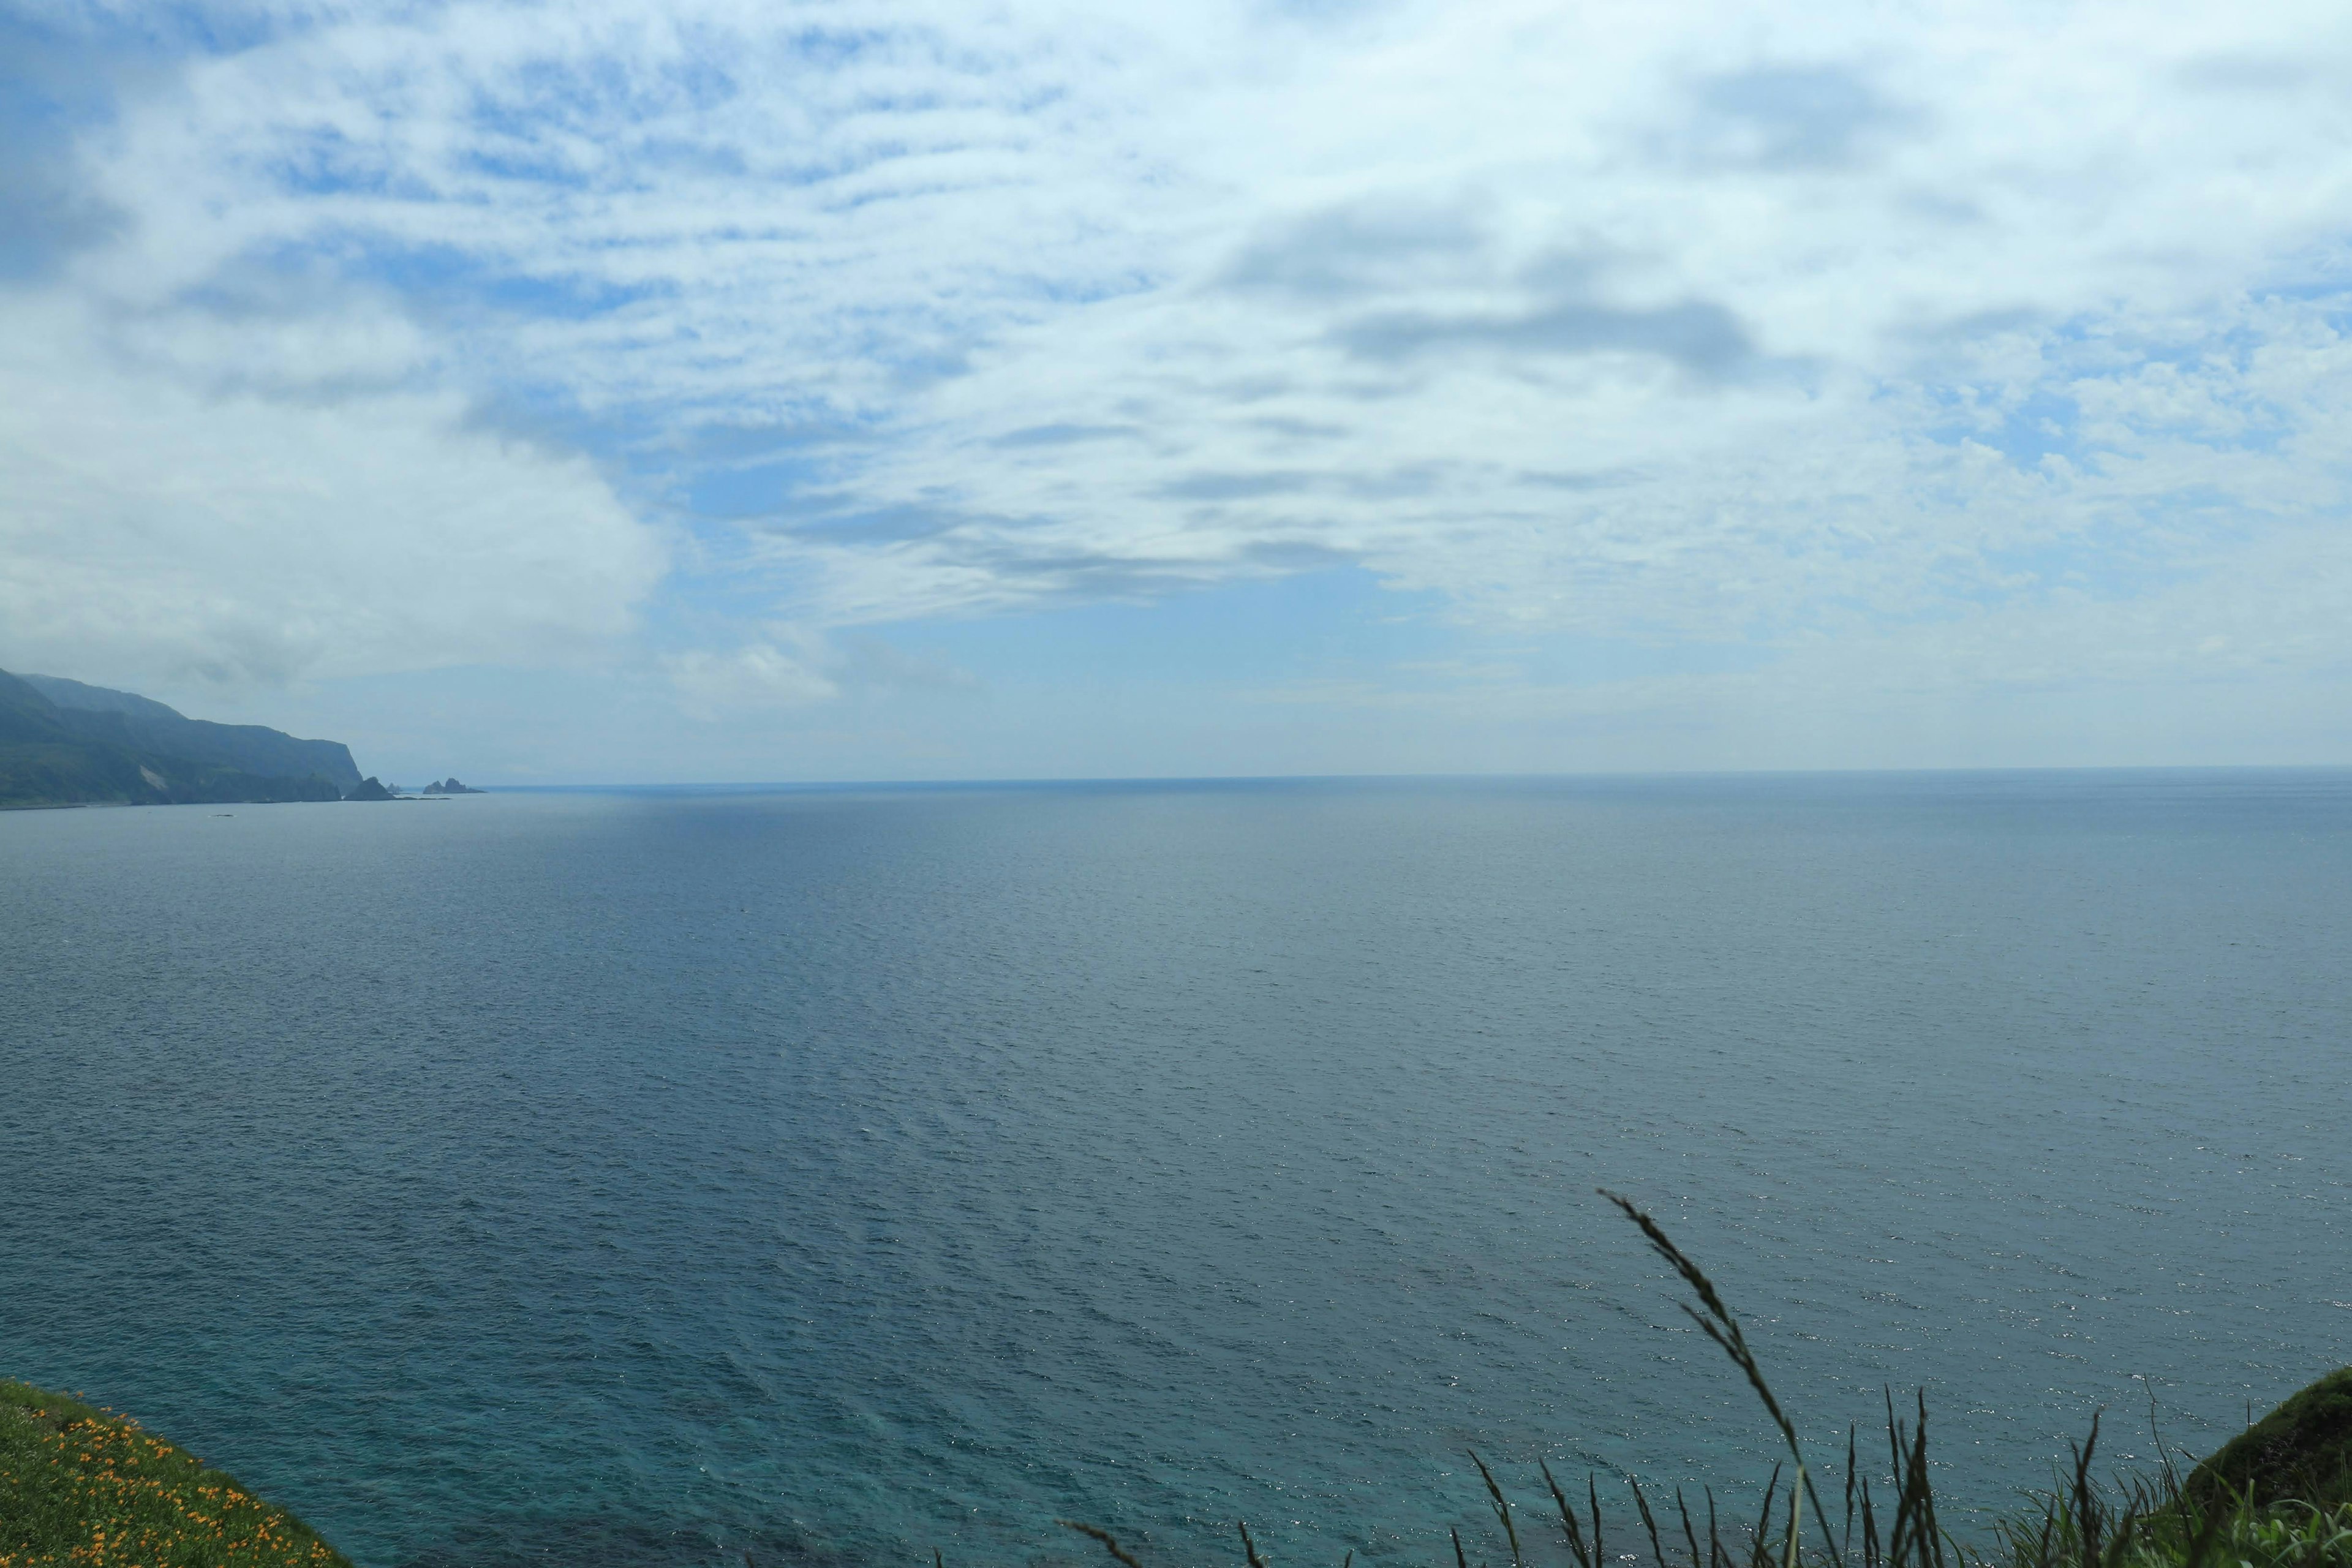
x,y
1657,1552
1756,1549
1502,1509
1567,1519
2087,1502
1109,1541
1849,1488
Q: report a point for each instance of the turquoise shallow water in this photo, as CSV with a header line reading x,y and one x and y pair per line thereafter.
x,y
643,1178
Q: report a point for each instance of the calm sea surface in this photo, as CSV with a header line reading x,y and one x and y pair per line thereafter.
x,y
620,1178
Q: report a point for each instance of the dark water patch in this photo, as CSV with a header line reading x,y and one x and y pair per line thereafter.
x,y
526,1541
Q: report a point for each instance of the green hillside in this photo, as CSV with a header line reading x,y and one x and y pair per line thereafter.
x,y
79,1485
47,758
142,724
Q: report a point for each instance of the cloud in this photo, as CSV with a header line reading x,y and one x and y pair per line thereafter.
x,y
1063,435
155,530
1659,321
1236,486
1794,117
757,676
48,92
1360,249
789,667
1699,336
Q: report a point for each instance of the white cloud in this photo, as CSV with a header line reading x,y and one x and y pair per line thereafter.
x,y
789,667
155,530
756,677
2008,331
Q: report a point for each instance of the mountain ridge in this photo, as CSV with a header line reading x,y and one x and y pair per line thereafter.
x,y
134,751
140,723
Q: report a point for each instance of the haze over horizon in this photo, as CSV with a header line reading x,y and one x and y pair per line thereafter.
x,y
601,393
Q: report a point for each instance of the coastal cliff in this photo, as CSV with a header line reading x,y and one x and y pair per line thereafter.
x,y
137,724
112,748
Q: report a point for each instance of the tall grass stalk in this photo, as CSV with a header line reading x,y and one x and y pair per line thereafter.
x,y
2162,1520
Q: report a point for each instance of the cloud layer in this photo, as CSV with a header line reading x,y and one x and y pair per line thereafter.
x,y
1998,346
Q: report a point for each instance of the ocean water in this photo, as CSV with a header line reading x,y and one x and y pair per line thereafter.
x,y
834,1174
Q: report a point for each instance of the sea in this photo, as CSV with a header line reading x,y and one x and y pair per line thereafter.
x,y
848,1175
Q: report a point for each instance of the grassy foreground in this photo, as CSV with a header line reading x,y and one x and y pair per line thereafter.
x,y
79,1486
2277,1495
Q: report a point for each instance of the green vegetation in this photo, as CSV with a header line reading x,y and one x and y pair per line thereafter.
x,y
2301,1452
55,756
2280,1496
79,1486
142,724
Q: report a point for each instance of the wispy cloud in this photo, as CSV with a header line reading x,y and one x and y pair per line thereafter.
x,y
346,338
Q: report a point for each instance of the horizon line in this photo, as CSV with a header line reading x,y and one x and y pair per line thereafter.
x,y
1050,781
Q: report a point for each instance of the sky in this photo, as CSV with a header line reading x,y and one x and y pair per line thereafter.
x,y
594,392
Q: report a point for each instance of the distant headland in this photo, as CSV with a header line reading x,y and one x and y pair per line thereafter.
x,y
63,742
